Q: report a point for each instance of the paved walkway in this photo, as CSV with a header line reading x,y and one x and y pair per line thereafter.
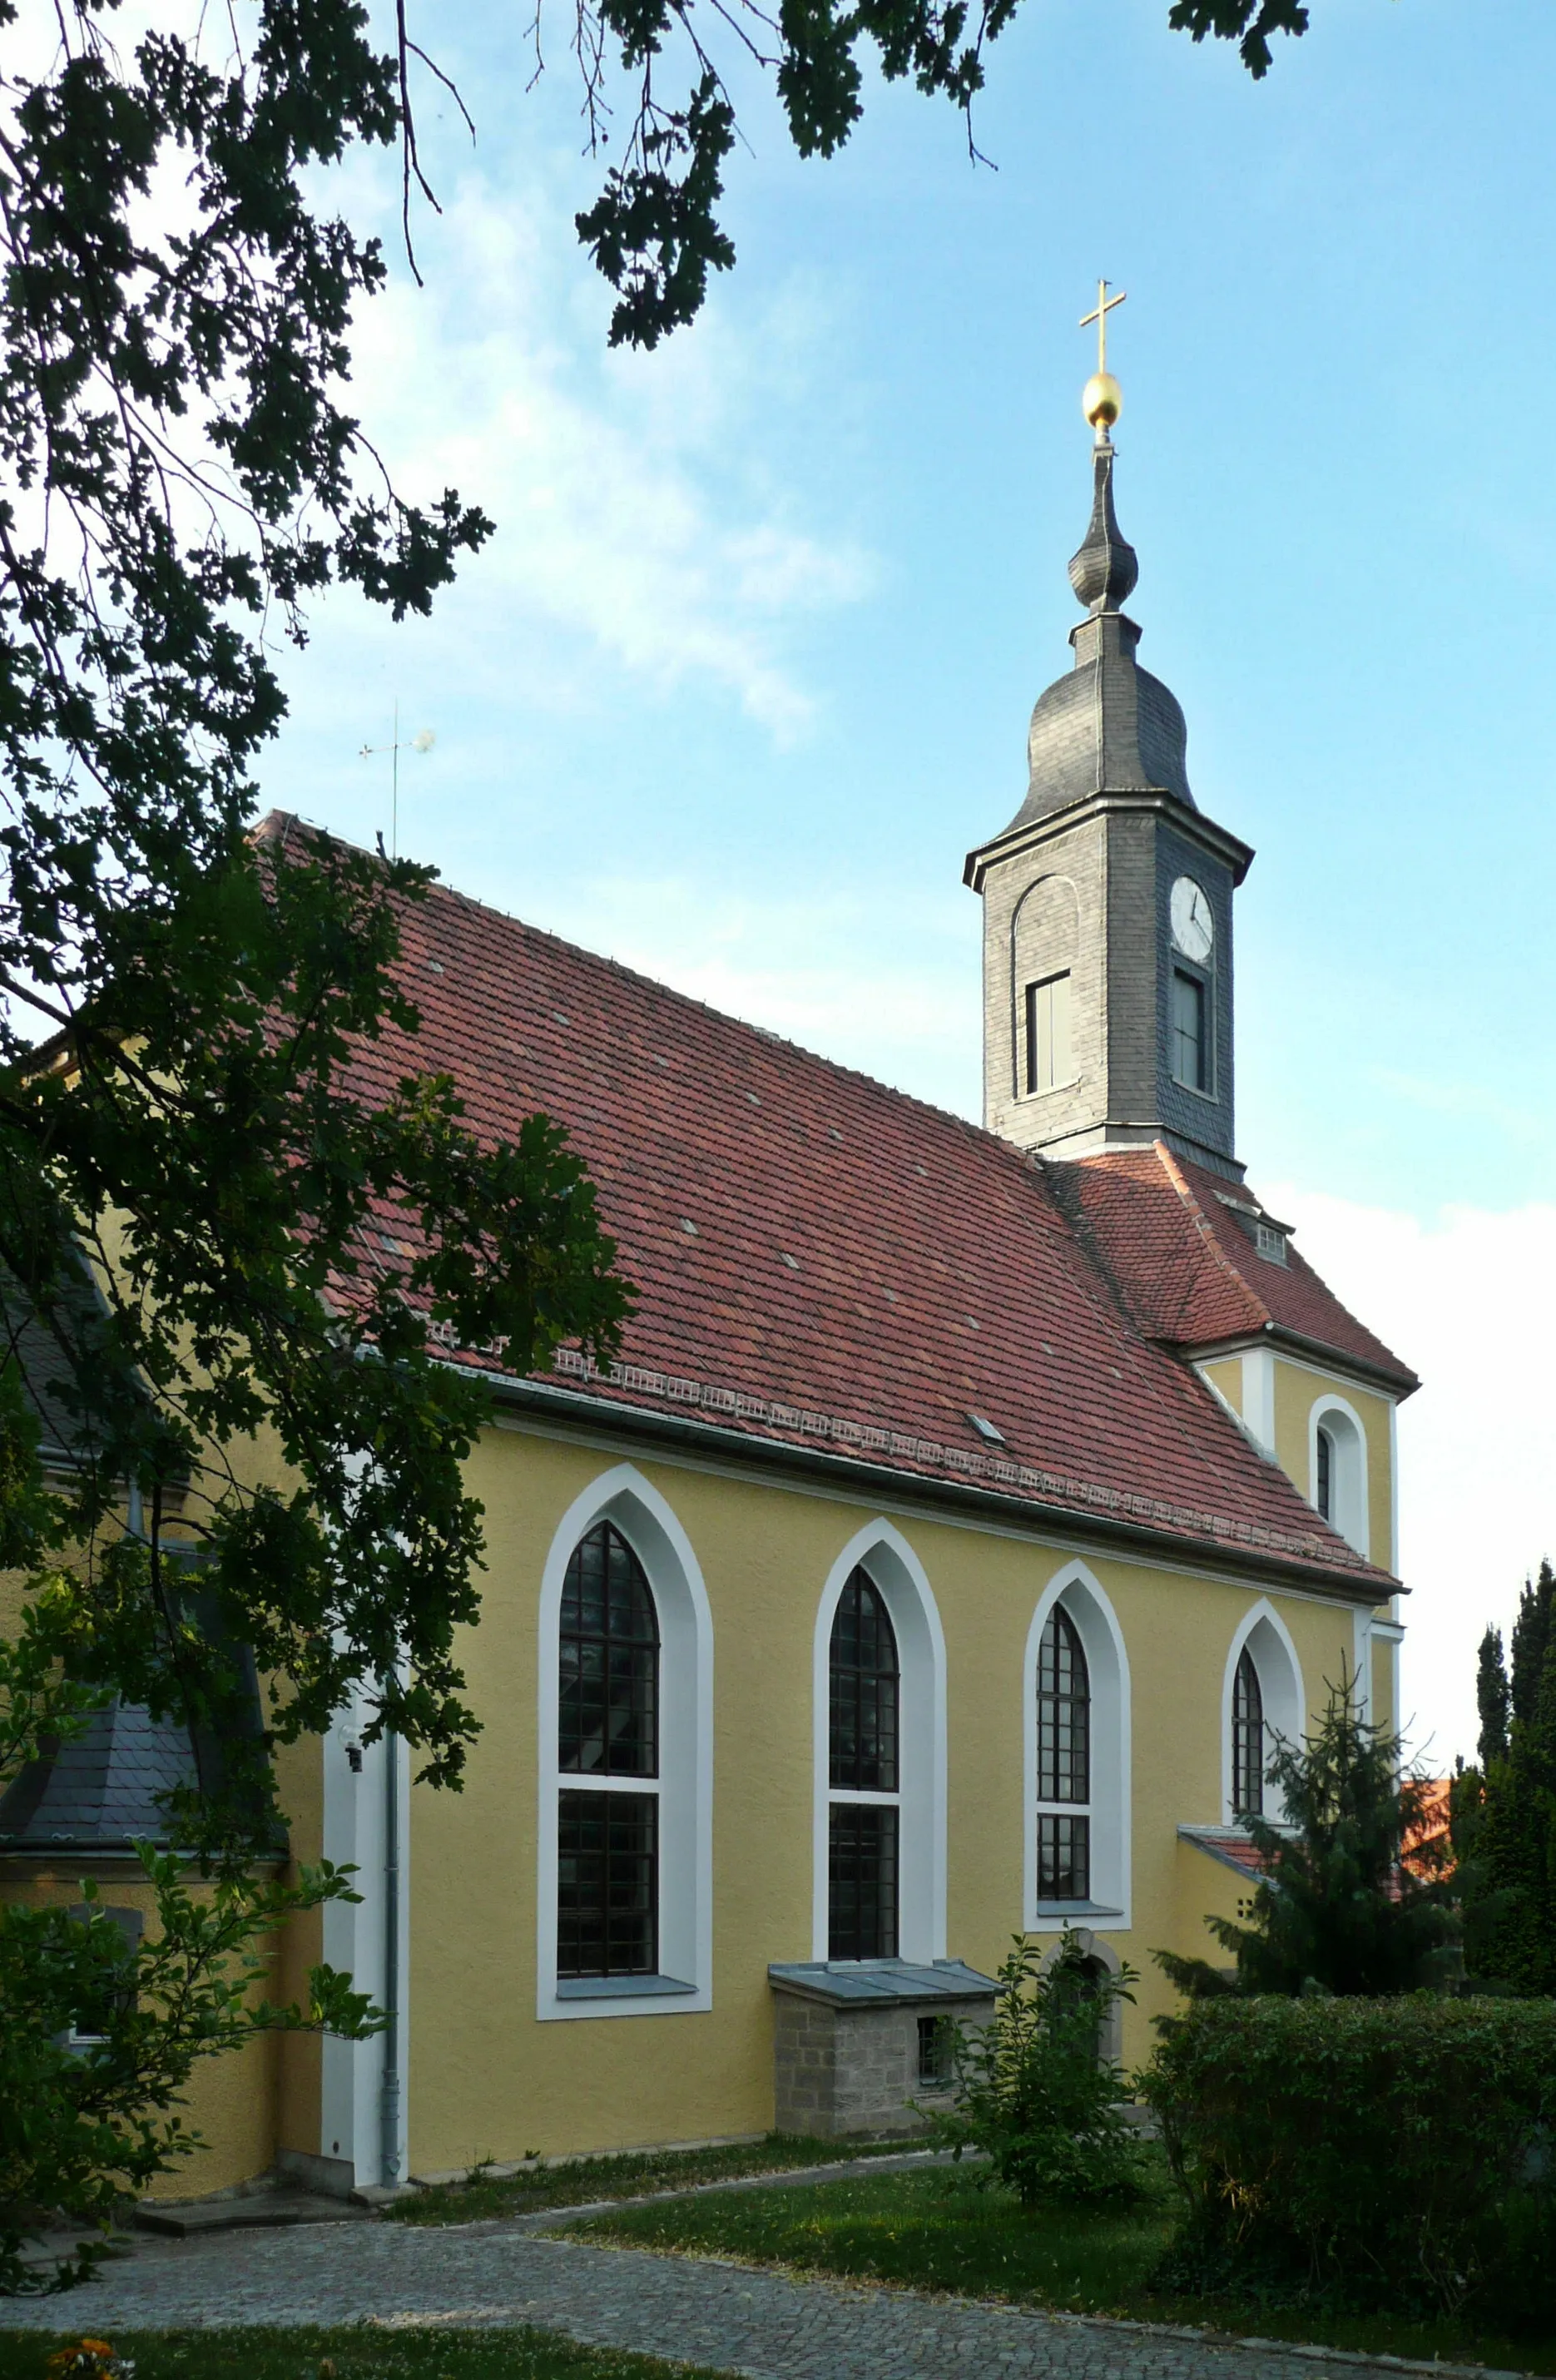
x,y
760,2323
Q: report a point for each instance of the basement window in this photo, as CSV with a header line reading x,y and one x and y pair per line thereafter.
x,y
937,2042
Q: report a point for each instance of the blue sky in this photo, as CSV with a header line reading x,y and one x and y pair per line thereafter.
x,y
748,665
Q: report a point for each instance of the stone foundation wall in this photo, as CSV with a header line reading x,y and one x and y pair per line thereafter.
x,y
855,2069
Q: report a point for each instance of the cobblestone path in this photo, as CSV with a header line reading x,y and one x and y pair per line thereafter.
x,y
760,2323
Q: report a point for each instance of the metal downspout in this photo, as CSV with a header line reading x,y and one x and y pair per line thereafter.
x,y
389,2095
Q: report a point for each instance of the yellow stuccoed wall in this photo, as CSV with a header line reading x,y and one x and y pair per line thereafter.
x,y
1298,1386
1227,1376
244,2107
487,2079
231,2102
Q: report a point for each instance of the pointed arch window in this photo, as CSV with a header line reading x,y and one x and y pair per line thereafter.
x,y
1248,1739
607,1896
1063,1763
864,1800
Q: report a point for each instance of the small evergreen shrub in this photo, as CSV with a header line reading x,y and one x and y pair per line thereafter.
x,y
1033,2090
1385,2154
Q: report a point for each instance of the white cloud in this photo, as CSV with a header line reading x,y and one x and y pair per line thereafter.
x,y
885,987
1469,1301
634,502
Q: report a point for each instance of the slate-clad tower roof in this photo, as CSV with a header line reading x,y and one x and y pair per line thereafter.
x,y
101,1791
1107,725
1104,1028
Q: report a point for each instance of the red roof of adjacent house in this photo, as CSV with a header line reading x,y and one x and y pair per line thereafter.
x,y
820,1260
1177,1242
1428,1850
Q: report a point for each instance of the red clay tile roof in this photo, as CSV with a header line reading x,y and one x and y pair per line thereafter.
x,y
1429,1845
818,1258
1228,1844
1185,1266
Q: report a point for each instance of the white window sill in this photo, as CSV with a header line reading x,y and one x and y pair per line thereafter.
x,y
622,1988
1076,1909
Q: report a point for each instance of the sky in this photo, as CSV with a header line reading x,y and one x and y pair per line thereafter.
x,y
747,668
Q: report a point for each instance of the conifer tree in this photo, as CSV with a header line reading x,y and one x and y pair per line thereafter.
x,y
1336,1909
1492,1698
1504,1811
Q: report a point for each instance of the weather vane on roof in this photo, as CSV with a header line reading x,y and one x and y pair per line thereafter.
x,y
1103,399
422,741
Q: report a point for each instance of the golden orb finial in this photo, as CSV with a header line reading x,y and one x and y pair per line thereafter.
x,y
1101,400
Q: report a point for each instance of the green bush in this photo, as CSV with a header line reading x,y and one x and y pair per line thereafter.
x,y
1372,2154
1034,2091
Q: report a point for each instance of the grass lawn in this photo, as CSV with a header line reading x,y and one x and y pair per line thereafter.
x,y
939,2230
362,2353
632,2175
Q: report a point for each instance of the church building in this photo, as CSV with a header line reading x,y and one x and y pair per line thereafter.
x,y
972,1510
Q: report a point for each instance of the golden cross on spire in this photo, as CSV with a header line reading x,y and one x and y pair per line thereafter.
x,y
1104,308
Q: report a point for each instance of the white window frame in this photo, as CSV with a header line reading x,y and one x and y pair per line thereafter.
x,y
685,1783
1264,1636
1033,959
1348,1477
903,1584
1109,1808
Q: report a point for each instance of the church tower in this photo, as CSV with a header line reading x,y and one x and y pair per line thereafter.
x,y
1107,899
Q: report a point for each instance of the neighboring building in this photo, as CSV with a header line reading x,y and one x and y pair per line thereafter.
x,y
970,1510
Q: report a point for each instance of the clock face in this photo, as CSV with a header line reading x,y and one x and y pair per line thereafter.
x,y
1194,929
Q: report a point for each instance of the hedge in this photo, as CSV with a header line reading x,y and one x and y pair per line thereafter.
x,y
1374,2153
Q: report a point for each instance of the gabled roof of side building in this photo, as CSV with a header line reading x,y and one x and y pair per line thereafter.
x,y
1178,1245
821,1261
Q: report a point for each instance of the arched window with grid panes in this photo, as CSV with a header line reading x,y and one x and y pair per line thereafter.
x,y
1248,1739
607,1867
865,1800
1063,1763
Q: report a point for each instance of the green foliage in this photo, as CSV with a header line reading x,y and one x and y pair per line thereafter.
x,y
1504,1813
1493,1698
364,2350
654,230
481,2195
935,2230
1389,2152
1249,23
1033,2089
101,2035
938,2227
221,1230
1335,1911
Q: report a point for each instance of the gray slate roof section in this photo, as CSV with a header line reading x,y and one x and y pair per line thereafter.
x,y
1108,727
1104,570
46,1369
848,1983
100,1790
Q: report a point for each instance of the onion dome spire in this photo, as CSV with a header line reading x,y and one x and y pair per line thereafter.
x,y
1105,569
1107,725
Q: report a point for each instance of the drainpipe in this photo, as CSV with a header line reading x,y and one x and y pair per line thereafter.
x,y
389,2095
